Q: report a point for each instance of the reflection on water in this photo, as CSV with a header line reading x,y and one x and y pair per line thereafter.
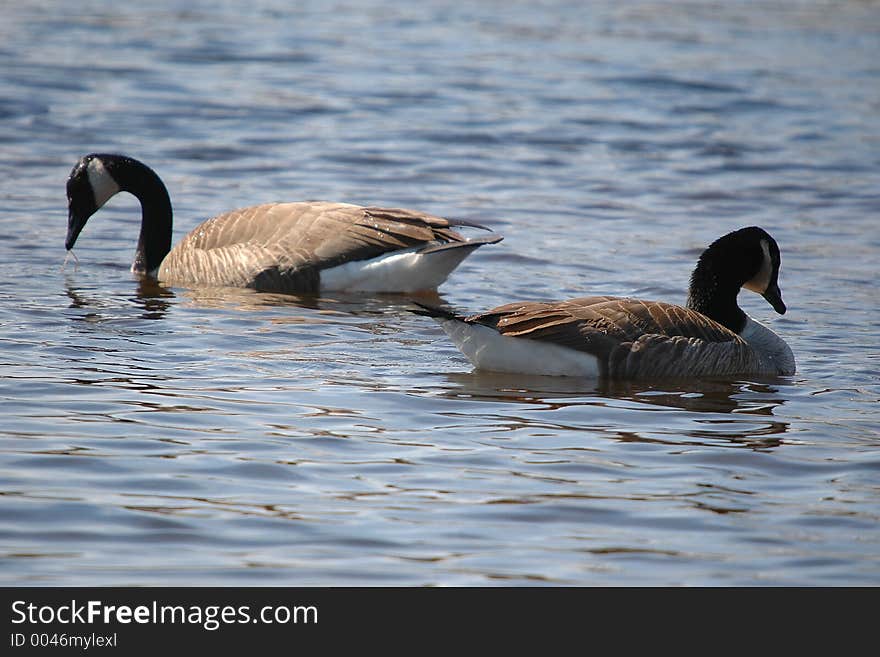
x,y
150,296
708,395
153,298
576,398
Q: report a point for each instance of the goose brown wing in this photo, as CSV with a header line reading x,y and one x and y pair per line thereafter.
x,y
283,246
629,337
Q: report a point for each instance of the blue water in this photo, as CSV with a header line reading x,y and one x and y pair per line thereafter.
x,y
182,437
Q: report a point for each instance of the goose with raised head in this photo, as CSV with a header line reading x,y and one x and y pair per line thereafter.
x,y
623,338
301,247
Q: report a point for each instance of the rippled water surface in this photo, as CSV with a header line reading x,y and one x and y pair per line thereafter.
x,y
176,436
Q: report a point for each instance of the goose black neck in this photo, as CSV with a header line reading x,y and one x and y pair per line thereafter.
x,y
713,292
140,180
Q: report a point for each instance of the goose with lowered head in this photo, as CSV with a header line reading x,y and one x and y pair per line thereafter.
x,y
301,247
622,338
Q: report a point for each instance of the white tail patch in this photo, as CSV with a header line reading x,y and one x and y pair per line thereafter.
x,y
488,350
399,271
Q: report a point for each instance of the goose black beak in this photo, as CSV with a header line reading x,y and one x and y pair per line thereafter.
x,y
75,224
774,297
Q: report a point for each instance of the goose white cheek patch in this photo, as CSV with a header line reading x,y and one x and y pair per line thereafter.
x,y
102,183
759,282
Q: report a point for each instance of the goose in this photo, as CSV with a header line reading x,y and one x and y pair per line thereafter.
x,y
299,247
623,338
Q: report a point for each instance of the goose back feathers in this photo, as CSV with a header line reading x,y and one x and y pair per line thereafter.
x,y
294,247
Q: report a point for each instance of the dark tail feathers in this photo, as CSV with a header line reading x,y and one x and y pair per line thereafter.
x,y
469,244
433,311
466,222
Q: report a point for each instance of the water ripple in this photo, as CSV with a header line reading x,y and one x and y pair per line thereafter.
x,y
215,436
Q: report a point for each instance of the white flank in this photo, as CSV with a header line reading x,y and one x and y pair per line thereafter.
x,y
488,350
400,271
102,183
774,351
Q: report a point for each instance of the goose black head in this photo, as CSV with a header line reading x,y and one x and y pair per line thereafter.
x,y
746,258
89,186
765,259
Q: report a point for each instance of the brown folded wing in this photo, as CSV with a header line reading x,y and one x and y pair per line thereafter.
x,y
283,246
630,338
